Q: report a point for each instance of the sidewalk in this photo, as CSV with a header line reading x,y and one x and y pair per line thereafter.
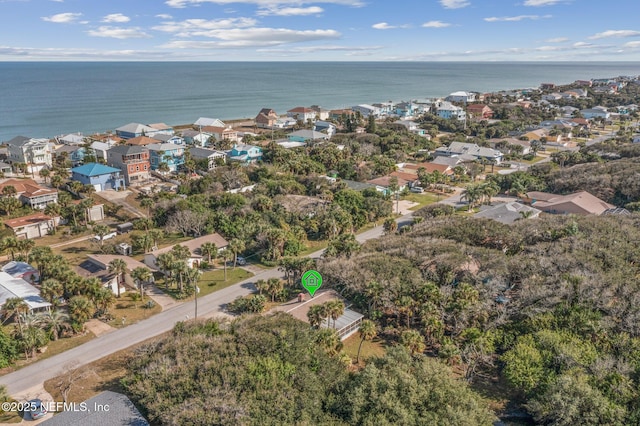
x,y
159,296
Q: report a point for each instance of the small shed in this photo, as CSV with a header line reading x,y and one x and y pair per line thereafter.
x,y
124,228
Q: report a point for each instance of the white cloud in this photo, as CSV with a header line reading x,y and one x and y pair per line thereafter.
x,y
436,24
454,4
584,45
62,18
615,33
253,37
321,48
632,44
386,26
203,27
516,18
264,3
118,32
557,40
164,16
25,53
291,11
542,2
116,17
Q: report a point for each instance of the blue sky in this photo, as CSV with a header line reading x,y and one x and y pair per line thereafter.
x,y
337,30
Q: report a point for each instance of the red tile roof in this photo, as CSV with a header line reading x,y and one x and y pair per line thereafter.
x,y
142,140
31,219
27,187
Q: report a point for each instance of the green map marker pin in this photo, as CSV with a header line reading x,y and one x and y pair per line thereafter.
x,y
311,280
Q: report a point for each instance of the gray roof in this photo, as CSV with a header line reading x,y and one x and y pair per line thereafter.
x,y
506,213
18,141
447,161
121,412
17,287
309,134
204,153
459,148
164,137
135,128
163,146
128,149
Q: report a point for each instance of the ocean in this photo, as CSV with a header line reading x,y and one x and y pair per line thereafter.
x,y
46,99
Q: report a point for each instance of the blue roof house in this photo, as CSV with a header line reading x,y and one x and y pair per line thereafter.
x,y
100,176
245,153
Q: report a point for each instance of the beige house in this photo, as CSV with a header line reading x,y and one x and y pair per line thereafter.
x,y
97,266
194,248
582,203
32,226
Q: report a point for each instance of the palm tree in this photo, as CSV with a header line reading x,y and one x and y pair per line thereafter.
x,y
315,314
101,231
9,191
274,286
80,309
413,340
11,244
9,205
14,307
329,340
236,246
471,194
147,203
56,180
209,249
335,309
56,322
103,299
262,285
367,332
44,174
390,225
164,262
226,255
141,275
52,290
180,269
118,267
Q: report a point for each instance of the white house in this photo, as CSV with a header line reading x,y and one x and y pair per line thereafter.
x,y
36,153
366,110
11,287
303,114
150,259
210,155
461,96
204,122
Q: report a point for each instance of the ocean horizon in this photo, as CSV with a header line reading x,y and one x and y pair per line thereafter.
x,y
47,99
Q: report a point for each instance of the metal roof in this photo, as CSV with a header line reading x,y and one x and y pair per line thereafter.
x,y
17,287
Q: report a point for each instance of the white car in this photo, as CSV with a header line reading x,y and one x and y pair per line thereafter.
x,y
106,237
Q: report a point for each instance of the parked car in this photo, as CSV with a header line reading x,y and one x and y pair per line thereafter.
x,y
36,409
242,261
106,237
417,189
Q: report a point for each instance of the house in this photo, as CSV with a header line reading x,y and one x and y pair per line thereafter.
x,y
325,127
449,161
591,113
385,108
101,148
338,114
193,245
568,111
97,265
174,139
168,153
71,139
507,213
284,123
142,141
22,270
30,193
366,110
479,111
74,153
36,153
266,118
463,148
99,176
112,405
32,226
11,287
412,127
245,153
405,109
307,135
498,143
551,97
302,114
208,122
448,110
445,169
134,130
212,157
161,129
222,133
133,161
382,183
321,113
581,203
462,97
193,137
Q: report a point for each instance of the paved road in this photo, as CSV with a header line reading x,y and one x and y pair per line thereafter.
x,y
208,306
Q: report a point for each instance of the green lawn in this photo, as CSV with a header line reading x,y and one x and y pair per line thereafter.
x,y
424,199
211,281
374,348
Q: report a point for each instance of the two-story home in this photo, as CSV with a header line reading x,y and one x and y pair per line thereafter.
x,y
73,153
305,135
195,137
142,141
266,118
71,139
303,114
405,109
36,153
101,148
222,133
212,157
30,193
366,110
321,113
462,97
161,129
168,153
480,111
175,139
99,176
134,130
325,127
245,153
448,110
208,122
595,113
133,161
